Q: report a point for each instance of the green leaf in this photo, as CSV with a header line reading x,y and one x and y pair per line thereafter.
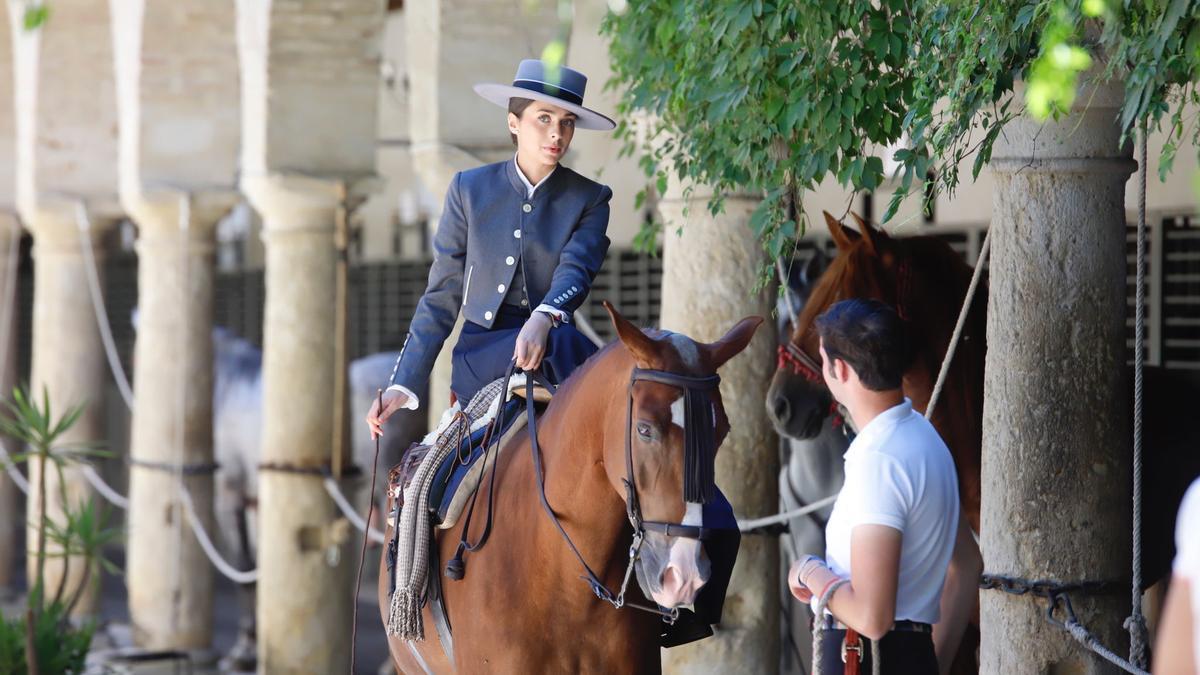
x,y
36,16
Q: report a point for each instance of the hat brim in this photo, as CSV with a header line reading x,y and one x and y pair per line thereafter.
x,y
586,118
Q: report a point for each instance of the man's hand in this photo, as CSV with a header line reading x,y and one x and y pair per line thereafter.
x,y
800,576
799,590
392,401
531,342
810,576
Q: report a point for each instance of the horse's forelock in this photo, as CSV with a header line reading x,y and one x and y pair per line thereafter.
x,y
853,272
687,350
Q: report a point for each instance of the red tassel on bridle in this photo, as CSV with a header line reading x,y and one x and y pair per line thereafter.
x,y
792,358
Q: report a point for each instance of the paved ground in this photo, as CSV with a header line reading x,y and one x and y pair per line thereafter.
x,y
114,615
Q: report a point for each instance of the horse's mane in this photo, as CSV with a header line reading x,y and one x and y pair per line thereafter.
x,y
921,275
940,279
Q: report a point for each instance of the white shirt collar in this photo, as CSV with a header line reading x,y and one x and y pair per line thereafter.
x,y
529,187
881,423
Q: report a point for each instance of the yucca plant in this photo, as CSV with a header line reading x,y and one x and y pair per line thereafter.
x,y
82,535
51,644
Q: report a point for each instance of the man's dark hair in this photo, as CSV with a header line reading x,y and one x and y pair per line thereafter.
x,y
517,107
871,338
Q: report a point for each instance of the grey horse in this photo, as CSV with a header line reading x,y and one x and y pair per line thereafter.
x,y
237,426
810,470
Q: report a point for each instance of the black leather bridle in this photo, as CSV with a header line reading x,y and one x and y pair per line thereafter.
x,y
699,485
698,482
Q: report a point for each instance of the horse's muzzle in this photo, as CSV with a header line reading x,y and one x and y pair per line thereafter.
x,y
672,570
800,422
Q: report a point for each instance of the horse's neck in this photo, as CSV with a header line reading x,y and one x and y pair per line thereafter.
x,y
572,443
816,466
572,448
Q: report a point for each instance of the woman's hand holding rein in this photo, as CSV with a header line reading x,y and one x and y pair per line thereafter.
x,y
531,341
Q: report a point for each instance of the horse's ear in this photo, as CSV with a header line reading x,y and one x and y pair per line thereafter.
x,y
643,348
869,233
843,237
734,342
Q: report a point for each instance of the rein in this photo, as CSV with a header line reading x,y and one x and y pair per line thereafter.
x,y
617,599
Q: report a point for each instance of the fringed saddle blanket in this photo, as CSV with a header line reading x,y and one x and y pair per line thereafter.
x,y
432,484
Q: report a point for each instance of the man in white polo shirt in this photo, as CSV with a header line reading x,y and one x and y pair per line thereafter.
x,y
895,525
1177,648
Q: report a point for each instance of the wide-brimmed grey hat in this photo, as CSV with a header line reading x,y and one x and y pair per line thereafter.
x,y
561,86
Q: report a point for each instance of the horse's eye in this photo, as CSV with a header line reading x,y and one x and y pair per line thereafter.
x,y
645,431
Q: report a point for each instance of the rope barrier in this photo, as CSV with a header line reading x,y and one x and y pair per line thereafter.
x,y
1135,623
110,346
348,511
114,362
106,491
757,523
1088,640
958,326
231,573
1071,624
13,472
1056,595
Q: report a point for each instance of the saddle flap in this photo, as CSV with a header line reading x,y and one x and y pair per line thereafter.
x,y
459,475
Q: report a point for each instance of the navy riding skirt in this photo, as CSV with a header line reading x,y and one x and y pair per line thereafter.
x,y
482,354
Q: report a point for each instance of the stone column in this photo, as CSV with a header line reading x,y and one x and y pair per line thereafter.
x,y
10,511
1056,446
305,565
170,579
65,150
185,138
68,364
708,276
453,129
310,83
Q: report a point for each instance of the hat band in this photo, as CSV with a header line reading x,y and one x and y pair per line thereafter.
x,y
549,90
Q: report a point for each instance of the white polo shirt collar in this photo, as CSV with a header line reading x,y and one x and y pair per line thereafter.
x,y
881,424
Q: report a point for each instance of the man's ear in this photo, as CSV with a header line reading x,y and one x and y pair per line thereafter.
x,y
841,370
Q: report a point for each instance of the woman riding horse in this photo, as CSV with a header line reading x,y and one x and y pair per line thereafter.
x,y
549,592
517,249
515,235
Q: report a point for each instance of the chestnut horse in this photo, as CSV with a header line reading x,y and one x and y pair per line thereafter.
x,y
926,281
522,606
